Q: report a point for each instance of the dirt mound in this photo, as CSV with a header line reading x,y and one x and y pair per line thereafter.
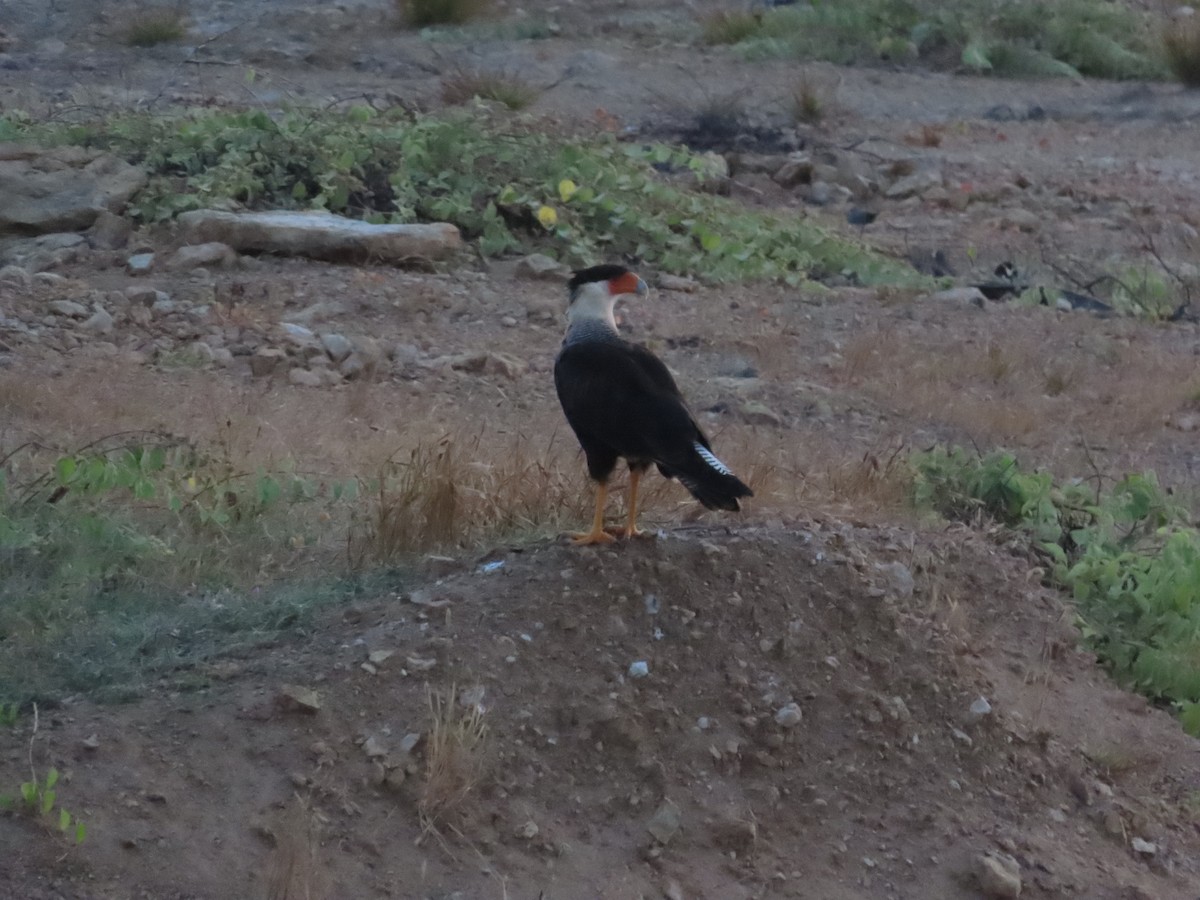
x,y
825,711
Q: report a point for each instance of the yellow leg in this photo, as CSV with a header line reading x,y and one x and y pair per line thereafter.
x,y
597,535
631,529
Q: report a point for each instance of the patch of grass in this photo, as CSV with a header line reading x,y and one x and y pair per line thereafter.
x,y
509,90
1129,557
455,758
809,101
729,27
507,187
426,13
1025,38
149,28
1181,47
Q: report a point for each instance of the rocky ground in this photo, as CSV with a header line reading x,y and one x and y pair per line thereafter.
x,y
835,702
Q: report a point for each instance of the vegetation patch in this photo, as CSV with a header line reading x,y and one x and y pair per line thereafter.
x,y
149,28
1006,37
424,13
1129,556
507,186
513,92
1181,45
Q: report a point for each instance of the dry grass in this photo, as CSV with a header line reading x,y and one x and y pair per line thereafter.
x,y
810,99
510,90
728,27
455,759
150,27
459,491
1181,47
424,13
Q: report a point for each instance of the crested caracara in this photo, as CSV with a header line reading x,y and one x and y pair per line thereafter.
x,y
622,402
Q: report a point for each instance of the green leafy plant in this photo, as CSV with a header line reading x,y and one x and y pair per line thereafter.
x,y
498,181
1025,38
1128,556
8,714
38,797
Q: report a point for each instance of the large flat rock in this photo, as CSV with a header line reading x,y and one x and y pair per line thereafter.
x,y
63,189
320,235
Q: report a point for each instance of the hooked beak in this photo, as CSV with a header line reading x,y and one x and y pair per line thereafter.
x,y
642,289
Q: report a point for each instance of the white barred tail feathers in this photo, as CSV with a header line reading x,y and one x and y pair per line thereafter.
x,y
710,481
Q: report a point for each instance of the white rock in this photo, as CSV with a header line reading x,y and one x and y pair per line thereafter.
x,y
999,876
789,716
320,235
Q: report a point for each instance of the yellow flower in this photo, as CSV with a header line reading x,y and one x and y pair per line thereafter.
x,y
567,189
547,216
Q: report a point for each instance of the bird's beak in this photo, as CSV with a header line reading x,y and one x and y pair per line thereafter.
x,y
642,289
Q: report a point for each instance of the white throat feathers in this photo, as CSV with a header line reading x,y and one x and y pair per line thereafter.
x,y
590,314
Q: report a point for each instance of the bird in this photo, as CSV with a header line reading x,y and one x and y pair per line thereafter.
x,y
622,403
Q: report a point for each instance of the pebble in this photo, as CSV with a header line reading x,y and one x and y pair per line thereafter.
x,y
999,876
789,716
68,308
140,264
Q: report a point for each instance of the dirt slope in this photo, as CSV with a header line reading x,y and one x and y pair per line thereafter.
x,y
885,788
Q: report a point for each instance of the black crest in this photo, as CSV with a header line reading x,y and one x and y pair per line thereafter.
x,y
605,272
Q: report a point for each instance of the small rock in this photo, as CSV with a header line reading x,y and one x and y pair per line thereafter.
x,y
145,295
91,742
915,184
1186,422
379,657
163,306
419,664
337,346
16,275
962,295
789,716
528,831
300,699
353,366
304,378
299,336
756,413
794,172
1143,847
639,669
213,253
820,193
999,876
110,231
685,285
140,264
673,891
265,360
100,322
979,709
540,267
665,822
1021,219
374,748
68,308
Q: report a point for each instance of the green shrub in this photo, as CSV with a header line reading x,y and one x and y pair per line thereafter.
x,y
1129,558
424,13
507,187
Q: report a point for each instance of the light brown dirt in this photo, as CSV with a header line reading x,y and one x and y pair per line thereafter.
x,y
886,788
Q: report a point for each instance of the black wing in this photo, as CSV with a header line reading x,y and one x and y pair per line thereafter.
x,y
623,396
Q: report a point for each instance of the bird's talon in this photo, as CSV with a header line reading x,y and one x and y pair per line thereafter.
x,y
586,539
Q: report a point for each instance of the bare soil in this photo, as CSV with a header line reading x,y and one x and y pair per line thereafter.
x,y
824,593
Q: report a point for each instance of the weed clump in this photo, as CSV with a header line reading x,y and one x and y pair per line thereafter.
x,y
1129,557
510,91
426,13
153,27
1181,47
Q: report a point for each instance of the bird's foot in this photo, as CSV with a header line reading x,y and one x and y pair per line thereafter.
x,y
625,531
595,536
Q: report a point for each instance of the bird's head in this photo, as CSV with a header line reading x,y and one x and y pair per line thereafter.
x,y
594,292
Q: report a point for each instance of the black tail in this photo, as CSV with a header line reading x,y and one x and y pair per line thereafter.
x,y
710,480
